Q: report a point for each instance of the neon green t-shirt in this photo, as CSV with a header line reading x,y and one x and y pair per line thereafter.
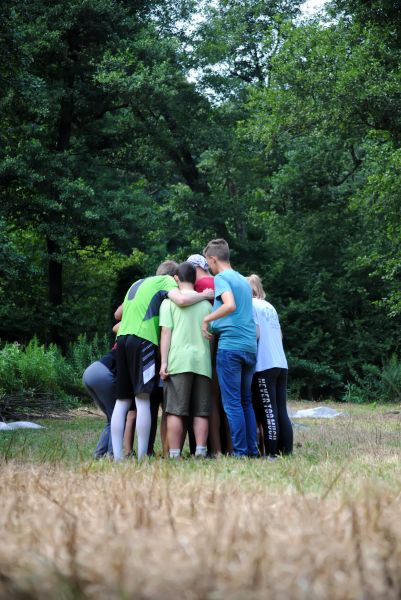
x,y
142,305
189,351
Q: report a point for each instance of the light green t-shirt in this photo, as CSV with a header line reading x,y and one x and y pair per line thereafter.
x,y
142,305
189,350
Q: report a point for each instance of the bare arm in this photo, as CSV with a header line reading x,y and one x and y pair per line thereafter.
x,y
119,313
118,316
225,309
165,341
189,299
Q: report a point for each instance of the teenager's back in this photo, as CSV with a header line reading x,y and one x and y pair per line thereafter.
x,y
189,350
141,307
270,347
236,331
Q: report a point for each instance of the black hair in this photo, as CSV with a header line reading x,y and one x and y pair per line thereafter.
x,y
186,273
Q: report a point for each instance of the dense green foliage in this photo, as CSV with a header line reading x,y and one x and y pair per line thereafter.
x,y
39,372
132,132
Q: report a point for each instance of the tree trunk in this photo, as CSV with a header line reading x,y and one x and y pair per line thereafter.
x,y
55,288
55,274
55,266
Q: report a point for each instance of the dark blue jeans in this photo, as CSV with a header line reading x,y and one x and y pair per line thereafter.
x,y
235,371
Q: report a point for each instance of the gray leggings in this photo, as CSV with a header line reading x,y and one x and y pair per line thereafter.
x,y
100,383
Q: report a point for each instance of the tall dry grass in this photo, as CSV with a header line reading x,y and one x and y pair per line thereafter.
x,y
153,532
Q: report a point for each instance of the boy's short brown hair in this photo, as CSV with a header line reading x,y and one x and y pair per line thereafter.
x,y
186,273
218,248
168,267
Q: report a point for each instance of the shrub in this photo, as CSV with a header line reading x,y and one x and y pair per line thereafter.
x,y
10,379
354,394
376,384
32,380
32,368
391,380
309,379
83,352
38,370
43,369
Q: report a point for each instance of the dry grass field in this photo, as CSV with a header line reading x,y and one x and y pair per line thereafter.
x,y
323,524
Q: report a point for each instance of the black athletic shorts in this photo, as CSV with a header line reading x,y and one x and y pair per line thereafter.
x,y
137,367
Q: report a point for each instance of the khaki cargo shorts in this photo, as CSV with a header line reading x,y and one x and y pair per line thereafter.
x,y
188,394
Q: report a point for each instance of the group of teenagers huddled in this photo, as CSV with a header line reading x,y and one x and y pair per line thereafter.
x,y
209,350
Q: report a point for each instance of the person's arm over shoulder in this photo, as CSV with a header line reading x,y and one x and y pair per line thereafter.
x,y
189,299
171,291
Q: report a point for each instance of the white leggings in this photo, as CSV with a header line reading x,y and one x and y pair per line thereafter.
x,y
143,423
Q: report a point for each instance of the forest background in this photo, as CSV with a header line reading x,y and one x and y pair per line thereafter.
x,y
134,131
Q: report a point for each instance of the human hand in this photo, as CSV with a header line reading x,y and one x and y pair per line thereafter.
x,y
205,331
163,371
208,294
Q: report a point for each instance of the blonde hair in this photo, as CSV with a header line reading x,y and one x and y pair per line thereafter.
x,y
257,287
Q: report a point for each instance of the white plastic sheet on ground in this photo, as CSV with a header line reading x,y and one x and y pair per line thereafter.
x,y
320,412
19,425
299,425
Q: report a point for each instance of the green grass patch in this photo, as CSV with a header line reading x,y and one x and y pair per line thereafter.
x,y
329,454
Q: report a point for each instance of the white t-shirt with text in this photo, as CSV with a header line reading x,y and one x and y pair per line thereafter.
x,y
270,345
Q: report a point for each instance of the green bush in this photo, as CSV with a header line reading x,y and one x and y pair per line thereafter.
x,y
309,379
36,369
376,384
43,369
354,394
10,378
33,369
83,352
391,380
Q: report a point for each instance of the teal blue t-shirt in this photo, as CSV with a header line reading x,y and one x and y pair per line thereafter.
x,y
236,331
